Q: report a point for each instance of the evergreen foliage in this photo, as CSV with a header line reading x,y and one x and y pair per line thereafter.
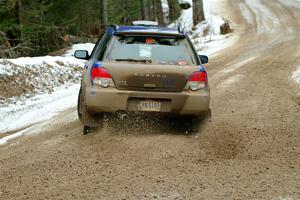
x,y
37,27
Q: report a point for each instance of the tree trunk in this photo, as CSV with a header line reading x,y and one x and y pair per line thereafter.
x,y
103,14
125,19
18,10
153,10
198,13
159,13
143,17
147,9
173,10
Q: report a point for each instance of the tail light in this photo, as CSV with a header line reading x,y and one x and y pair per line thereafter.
x,y
101,76
197,80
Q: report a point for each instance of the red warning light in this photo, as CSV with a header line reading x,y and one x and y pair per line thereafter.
x,y
150,41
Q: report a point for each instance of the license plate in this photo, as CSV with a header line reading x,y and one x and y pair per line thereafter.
x,y
149,106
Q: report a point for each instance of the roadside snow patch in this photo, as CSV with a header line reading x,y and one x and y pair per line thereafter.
x,y
4,140
185,21
37,109
245,11
13,66
230,81
43,74
296,75
210,45
34,89
267,20
234,66
205,35
291,3
86,46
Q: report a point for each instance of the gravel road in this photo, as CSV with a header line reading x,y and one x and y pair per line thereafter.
x,y
251,149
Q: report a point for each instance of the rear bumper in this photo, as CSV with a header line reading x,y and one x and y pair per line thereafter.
x,y
112,100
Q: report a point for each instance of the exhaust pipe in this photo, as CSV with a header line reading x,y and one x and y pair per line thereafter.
x,y
124,116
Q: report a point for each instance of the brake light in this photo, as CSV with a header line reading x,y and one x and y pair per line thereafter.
x,y
198,80
100,73
101,76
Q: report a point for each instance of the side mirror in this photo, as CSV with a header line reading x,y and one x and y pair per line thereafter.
x,y
204,59
82,54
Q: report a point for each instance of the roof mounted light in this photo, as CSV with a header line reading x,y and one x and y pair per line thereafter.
x,y
145,23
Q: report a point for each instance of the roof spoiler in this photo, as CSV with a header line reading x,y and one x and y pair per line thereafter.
x,y
114,26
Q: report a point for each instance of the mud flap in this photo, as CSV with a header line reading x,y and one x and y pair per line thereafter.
x,y
208,116
87,119
92,121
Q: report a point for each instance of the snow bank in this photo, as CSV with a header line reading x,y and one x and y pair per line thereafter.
x,y
13,66
86,46
49,85
206,35
32,63
36,109
214,21
23,78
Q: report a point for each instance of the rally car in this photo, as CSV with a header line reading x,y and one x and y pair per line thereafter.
x,y
143,68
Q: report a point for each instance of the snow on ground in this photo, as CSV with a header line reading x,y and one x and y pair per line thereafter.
x,y
246,12
85,46
35,110
296,75
36,62
231,67
292,3
54,82
268,21
12,66
230,81
206,35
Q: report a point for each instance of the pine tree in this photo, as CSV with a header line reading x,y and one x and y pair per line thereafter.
x,y
104,14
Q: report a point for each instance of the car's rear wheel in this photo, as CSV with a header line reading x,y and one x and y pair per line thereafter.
x,y
194,124
89,121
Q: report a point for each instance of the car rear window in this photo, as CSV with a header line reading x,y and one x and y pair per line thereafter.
x,y
158,50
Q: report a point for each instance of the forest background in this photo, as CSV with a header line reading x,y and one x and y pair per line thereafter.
x,y
39,27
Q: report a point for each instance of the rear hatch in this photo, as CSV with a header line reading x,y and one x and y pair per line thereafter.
x,y
149,77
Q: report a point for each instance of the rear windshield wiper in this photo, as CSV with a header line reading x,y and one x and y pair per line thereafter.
x,y
135,60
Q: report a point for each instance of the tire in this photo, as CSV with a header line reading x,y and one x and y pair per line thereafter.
x,y
89,121
186,124
195,124
79,106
